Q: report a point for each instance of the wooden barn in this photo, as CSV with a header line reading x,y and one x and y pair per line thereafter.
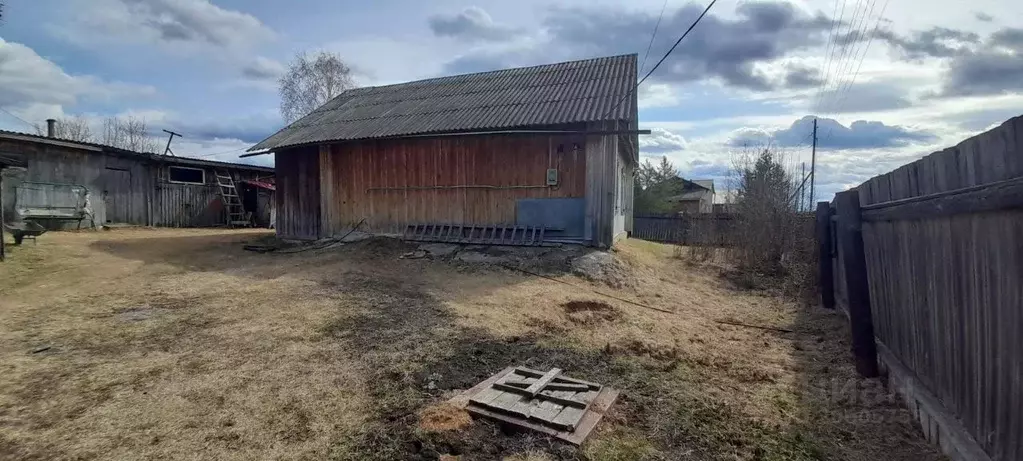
x,y
59,179
486,158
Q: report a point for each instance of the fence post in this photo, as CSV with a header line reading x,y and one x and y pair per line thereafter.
x,y
850,236
827,269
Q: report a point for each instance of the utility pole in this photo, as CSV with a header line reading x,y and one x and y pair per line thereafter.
x,y
813,161
802,190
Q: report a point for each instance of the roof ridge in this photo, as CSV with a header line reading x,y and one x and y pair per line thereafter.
x,y
492,72
447,110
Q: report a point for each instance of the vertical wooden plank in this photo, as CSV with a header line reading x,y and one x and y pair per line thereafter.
x,y
851,238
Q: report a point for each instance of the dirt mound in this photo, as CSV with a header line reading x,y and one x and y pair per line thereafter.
x,y
590,312
604,267
443,418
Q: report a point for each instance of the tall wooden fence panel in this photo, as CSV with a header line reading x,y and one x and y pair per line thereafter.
x,y
943,242
686,229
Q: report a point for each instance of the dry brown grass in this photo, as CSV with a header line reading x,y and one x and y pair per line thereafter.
x,y
178,344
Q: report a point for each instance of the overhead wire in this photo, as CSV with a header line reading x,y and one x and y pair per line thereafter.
x,y
870,39
19,118
850,49
830,52
661,61
843,43
653,36
843,93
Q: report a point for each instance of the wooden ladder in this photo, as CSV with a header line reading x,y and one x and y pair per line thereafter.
x,y
236,215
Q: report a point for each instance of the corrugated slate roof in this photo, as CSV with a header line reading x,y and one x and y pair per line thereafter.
x,y
568,92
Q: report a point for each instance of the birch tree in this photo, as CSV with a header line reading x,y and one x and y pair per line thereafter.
x,y
129,133
311,81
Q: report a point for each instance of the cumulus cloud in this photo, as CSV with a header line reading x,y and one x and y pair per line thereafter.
x,y
833,135
974,66
660,141
936,42
983,17
196,24
34,85
472,23
728,50
657,95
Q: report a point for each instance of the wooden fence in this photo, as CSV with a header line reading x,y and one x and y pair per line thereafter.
x,y
686,229
927,262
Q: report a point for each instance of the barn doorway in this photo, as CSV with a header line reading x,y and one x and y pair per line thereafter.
x,y
117,195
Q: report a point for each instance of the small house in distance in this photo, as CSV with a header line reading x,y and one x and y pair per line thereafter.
x,y
546,150
697,197
58,179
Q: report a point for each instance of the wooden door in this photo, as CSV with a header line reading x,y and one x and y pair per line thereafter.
x,y
117,195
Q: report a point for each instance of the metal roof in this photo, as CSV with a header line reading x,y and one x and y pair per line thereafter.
x,y
570,92
94,147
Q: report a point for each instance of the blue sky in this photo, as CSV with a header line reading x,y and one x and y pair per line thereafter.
x,y
891,81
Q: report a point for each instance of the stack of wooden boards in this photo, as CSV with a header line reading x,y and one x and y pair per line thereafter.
x,y
547,402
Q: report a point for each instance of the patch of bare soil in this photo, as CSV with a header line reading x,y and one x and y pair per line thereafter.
x,y
443,417
590,312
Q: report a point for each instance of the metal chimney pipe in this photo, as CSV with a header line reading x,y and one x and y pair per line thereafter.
x,y
51,127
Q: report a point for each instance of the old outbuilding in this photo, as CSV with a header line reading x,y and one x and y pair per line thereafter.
x,y
546,151
61,183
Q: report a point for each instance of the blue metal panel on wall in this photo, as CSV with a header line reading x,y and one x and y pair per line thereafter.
x,y
564,213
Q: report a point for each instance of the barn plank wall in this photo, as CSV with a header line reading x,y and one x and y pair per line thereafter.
x,y
941,238
137,186
298,193
94,170
457,179
606,168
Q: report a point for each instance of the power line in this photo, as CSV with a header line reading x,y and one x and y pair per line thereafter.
x,y
841,50
19,118
648,74
866,49
690,29
859,65
830,54
652,36
850,49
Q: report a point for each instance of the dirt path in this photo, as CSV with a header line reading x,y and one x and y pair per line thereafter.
x,y
178,344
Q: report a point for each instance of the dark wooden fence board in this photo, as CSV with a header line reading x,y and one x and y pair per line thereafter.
x,y
945,277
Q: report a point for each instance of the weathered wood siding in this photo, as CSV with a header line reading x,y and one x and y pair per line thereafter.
x,y
101,174
123,189
298,193
946,288
458,179
193,205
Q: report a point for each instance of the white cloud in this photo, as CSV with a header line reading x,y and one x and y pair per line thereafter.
x,y
32,86
472,23
180,25
660,141
658,95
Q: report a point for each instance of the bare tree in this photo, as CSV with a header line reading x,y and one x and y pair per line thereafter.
x,y
311,81
129,133
74,128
